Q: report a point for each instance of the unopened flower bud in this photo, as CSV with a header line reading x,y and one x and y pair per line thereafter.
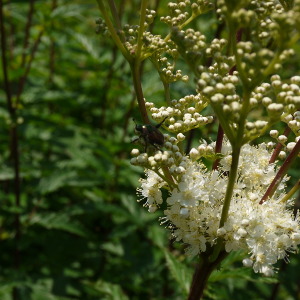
x,y
133,161
290,146
245,222
268,272
275,108
152,208
274,133
247,262
282,155
282,139
194,153
178,155
242,232
180,137
184,212
221,231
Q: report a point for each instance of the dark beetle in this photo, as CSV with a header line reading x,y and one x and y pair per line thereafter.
x,y
150,134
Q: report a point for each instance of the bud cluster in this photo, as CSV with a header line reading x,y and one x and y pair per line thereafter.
x,y
101,27
182,10
183,114
171,157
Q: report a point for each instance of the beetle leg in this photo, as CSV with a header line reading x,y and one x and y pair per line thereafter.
x,y
146,146
135,140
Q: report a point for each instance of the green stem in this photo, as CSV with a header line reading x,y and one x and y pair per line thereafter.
x,y
170,179
223,121
293,190
189,20
268,70
141,29
112,31
243,117
115,15
167,92
236,149
231,181
235,37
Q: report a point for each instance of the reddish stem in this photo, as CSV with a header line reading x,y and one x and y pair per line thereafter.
x,y
201,275
218,147
279,147
280,174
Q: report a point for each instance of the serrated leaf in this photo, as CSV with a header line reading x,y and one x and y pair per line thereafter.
x,y
241,273
55,181
67,11
87,45
107,290
59,222
114,248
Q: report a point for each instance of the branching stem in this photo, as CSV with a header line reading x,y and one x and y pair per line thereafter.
x,y
113,32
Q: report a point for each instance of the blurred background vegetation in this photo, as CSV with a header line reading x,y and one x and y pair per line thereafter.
x,y
70,225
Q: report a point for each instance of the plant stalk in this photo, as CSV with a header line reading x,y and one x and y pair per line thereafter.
x,y
136,75
201,275
281,172
14,148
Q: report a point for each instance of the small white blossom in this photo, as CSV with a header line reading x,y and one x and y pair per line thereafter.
x,y
267,232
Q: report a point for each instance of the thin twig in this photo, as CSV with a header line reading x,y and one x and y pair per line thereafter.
x,y
218,147
24,77
27,31
281,172
4,63
52,49
14,147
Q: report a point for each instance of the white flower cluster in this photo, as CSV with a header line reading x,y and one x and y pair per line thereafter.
x,y
265,231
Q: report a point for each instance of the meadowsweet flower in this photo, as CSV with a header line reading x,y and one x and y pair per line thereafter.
x,y
150,190
267,232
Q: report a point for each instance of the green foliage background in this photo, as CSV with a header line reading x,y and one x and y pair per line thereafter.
x,y
82,233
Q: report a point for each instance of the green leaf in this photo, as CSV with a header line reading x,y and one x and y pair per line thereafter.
x,y
107,290
179,271
55,181
60,222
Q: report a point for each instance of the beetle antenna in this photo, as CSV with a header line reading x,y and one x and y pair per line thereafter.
x,y
159,124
